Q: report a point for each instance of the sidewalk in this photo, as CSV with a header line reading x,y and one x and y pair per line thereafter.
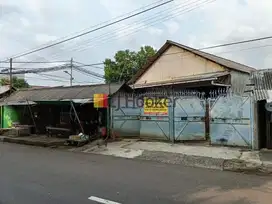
x,y
221,158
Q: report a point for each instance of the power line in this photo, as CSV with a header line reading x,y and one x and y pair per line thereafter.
x,y
93,30
155,21
36,62
29,68
81,65
236,43
99,24
93,74
58,78
186,5
172,15
220,45
80,71
180,10
89,72
50,75
244,49
230,44
94,65
48,78
102,68
55,68
126,27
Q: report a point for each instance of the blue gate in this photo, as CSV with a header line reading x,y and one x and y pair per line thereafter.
x,y
231,120
189,118
155,126
125,116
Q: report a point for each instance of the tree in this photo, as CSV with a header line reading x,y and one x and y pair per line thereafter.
x,y
126,63
16,82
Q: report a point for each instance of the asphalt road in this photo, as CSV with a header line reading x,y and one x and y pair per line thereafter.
x,y
30,175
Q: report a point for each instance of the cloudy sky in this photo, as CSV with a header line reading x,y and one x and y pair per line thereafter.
x,y
28,24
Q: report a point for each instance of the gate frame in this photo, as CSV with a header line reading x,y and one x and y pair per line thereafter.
x,y
252,117
204,121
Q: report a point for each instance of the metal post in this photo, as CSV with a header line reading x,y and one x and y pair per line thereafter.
x,y
32,117
78,120
109,114
71,74
10,74
171,116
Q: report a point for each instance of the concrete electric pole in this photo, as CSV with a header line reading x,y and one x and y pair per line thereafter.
x,y
10,74
71,73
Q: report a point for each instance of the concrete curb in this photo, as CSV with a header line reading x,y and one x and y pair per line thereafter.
x,y
187,160
32,143
234,165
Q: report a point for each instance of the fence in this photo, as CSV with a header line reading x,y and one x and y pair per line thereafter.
x,y
183,116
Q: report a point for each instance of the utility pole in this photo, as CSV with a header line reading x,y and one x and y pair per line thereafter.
x,y
10,74
71,73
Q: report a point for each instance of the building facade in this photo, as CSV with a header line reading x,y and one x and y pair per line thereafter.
x,y
211,102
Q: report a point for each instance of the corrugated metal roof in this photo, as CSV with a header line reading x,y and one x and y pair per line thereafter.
x,y
63,93
182,80
4,89
260,94
219,60
17,103
261,81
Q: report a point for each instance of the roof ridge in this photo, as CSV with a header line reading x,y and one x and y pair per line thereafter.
x,y
63,87
211,57
58,94
214,55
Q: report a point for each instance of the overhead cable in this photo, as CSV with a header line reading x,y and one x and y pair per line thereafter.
x,y
94,26
93,30
107,37
78,68
36,62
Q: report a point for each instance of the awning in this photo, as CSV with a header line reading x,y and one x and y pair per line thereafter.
x,y
67,93
81,101
17,103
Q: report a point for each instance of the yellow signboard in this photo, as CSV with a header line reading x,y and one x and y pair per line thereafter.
x,y
156,106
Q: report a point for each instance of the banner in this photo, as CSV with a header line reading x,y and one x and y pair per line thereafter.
x,y
100,100
158,106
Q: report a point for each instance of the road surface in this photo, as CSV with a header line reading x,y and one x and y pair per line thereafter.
x,y
30,175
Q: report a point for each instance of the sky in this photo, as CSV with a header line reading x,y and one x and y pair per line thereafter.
x,y
28,24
